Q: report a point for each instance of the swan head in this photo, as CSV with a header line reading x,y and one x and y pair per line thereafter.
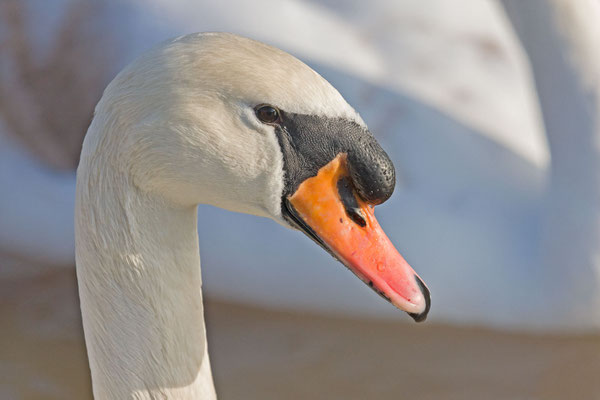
x,y
219,119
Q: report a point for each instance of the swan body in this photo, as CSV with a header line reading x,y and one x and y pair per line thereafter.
x,y
180,127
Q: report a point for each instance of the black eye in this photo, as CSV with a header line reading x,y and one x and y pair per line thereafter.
x,y
267,114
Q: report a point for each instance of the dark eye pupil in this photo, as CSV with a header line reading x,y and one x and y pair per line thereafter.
x,y
267,114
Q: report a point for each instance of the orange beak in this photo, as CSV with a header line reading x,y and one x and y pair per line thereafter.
x,y
328,209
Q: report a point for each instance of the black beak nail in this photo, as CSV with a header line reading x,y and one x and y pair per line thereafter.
x,y
422,316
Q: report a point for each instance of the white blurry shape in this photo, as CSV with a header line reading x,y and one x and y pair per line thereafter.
x,y
460,56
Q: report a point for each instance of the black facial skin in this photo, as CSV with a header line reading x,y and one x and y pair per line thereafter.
x,y
310,142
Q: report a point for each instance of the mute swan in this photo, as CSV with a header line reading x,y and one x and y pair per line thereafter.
x,y
222,120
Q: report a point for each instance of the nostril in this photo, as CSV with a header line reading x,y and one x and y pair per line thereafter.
x,y
357,216
346,192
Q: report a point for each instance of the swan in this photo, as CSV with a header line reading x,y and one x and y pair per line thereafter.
x,y
223,120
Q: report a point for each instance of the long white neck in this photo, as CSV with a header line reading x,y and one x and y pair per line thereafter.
x,y
138,267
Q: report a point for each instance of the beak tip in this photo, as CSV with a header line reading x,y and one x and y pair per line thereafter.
x,y
418,317
422,316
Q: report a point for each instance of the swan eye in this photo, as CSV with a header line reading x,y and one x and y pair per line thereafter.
x,y
267,114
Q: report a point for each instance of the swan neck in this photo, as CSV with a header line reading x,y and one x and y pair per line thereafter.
x,y
138,268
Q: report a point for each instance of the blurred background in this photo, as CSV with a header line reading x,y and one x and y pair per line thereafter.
x,y
489,110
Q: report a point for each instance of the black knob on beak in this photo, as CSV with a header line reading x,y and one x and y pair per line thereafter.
x,y
371,169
